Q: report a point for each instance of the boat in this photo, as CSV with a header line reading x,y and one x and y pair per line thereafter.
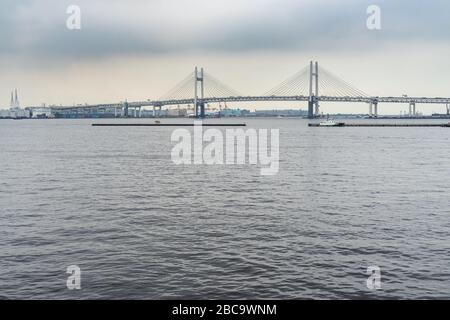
x,y
331,123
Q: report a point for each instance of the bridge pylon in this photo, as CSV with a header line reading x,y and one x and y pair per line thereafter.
x,y
313,101
199,104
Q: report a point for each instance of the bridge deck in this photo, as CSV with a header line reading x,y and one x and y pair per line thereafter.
x,y
425,100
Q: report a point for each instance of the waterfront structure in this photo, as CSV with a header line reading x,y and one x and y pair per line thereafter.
x,y
15,113
42,112
82,111
4,114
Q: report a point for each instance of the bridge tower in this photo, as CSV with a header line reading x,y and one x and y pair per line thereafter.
x,y
16,100
313,101
448,109
199,104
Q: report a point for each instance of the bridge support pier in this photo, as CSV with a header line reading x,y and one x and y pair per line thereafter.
x,y
316,110
412,109
448,109
156,113
373,109
202,110
310,108
125,109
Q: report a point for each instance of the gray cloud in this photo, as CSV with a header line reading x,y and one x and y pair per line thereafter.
x,y
109,28
139,49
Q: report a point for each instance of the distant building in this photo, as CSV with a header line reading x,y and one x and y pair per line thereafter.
x,y
145,113
4,114
41,112
15,113
233,112
176,113
14,100
80,111
279,113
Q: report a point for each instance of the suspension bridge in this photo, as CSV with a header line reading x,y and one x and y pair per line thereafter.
x,y
312,85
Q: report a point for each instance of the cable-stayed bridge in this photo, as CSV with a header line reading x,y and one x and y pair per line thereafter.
x,y
312,84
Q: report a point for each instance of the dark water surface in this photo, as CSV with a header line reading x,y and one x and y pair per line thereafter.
x,y
110,200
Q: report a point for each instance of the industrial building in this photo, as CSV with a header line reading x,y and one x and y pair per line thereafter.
x,y
14,111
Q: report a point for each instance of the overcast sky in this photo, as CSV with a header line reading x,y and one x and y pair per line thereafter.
x,y
139,49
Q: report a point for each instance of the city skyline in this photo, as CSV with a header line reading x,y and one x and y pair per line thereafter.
x,y
251,46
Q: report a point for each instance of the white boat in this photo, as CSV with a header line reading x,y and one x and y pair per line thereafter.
x,y
331,123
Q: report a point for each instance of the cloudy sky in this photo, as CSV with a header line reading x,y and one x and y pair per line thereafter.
x,y
139,49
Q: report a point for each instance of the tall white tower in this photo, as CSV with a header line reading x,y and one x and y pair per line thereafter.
x,y
16,100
